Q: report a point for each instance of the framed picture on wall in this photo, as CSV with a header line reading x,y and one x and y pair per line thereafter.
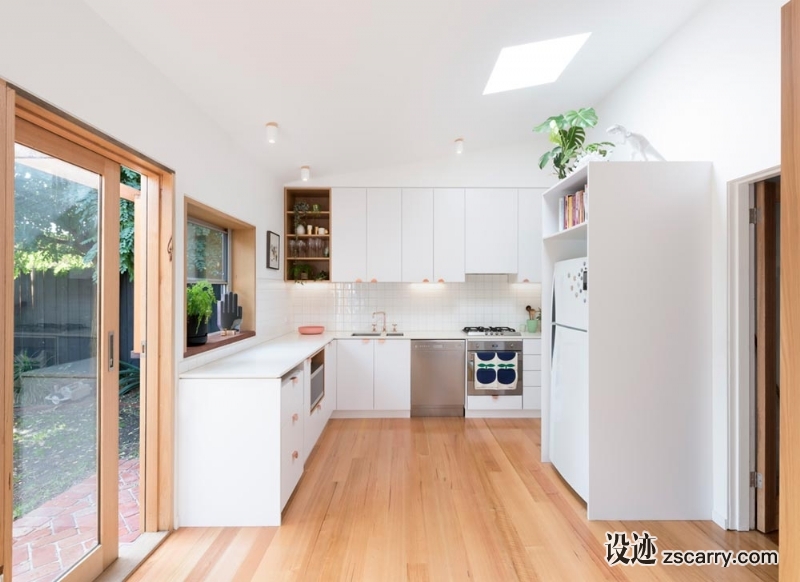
x,y
273,250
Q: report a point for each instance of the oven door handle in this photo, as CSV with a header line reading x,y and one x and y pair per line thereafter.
x,y
470,368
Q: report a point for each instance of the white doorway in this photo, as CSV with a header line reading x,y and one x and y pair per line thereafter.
x,y
742,353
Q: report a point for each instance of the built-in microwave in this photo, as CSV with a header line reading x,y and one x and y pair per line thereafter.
x,y
317,379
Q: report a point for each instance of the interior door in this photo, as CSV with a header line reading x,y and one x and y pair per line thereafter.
x,y
767,366
66,312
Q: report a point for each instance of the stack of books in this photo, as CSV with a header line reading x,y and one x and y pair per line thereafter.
x,y
573,209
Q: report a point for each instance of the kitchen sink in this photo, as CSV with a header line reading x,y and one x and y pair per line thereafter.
x,y
394,334
366,334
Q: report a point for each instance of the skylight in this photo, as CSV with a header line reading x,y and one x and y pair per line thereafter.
x,y
536,63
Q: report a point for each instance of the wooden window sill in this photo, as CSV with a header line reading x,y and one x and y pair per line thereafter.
x,y
216,340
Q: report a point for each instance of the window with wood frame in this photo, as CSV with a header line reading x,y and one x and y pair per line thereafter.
x,y
220,249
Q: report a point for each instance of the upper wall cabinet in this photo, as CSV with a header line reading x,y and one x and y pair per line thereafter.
x,y
433,235
491,223
417,235
448,235
384,212
529,247
348,234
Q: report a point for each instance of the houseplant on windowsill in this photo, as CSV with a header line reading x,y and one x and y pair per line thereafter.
x,y
199,303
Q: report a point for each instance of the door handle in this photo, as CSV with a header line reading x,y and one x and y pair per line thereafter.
x,y
470,369
111,350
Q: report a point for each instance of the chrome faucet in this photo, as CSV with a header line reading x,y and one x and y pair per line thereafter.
x,y
383,313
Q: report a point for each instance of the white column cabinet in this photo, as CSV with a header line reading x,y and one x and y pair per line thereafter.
x,y
383,219
529,247
348,234
354,374
392,375
331,368
491,226
448,235
417,235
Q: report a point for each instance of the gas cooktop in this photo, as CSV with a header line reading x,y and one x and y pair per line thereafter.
x,y
506,331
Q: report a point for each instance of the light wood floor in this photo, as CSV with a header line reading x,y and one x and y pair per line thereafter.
x,y
435,499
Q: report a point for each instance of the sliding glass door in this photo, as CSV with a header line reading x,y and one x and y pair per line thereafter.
x,y
66,358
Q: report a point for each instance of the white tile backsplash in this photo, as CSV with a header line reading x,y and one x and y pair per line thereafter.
x,y
482,300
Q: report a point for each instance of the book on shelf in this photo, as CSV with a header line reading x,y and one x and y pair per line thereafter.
x,y
573,209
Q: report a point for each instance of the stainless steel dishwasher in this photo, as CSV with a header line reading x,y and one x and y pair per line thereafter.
x,y
438,376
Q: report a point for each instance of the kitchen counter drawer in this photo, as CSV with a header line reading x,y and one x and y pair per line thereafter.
x,y
531,347
494,402
532,378
531,362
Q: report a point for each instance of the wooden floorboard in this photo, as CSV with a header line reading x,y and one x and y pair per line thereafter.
x,y
436,499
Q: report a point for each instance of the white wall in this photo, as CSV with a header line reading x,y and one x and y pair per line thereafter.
x,y
712,92
514,166
62,52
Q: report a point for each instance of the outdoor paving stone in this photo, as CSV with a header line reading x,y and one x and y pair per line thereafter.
x,y
71,555
19,555
31,520
34,535
18,532
43,555
62,535
38,573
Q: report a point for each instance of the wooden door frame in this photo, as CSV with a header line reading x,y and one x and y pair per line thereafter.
x,y
739,333
7,103
789,520
767,346
158,472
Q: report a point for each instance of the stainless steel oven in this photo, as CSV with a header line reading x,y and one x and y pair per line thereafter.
x,y
317,389
494,367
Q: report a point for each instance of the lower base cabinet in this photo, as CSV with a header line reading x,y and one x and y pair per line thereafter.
x,y
373,375
239,451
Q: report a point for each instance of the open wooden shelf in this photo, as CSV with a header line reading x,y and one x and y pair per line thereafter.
x,y
320,218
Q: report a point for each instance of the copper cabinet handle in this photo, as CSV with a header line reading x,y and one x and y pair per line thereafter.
x,y
495,397
426,281
358,280
318,406
373,281
441,281
295,417
526,280
295,454
294,379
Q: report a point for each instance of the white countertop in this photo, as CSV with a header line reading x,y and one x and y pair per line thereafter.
x,y
277,357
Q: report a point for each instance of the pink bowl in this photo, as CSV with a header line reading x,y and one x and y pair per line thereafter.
x,y
311,329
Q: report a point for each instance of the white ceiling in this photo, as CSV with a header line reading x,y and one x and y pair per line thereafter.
x,y
358,84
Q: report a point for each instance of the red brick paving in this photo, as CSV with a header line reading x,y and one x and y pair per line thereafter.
x,y
52,538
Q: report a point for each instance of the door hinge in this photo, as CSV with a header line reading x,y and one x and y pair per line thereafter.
x,y
756,480
754,215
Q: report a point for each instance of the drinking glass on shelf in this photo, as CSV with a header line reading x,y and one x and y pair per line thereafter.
x,y
292,247
301,249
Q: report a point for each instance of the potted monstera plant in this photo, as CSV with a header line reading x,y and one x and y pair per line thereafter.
x,y
568,132
199,304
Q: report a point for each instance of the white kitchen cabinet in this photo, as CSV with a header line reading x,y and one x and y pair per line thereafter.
x,y
384,237
330,379
221,422
354,374
392,377
348,234
491,226
529,246
417,235
494,402
532,374
449,235
292,428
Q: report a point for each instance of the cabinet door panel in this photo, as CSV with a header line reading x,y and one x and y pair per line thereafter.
x,y
448,235
354,374
417,235
392,375
529,248
330,378
491,230
348,234
384,246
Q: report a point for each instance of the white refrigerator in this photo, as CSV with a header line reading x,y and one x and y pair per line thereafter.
x,y
569,387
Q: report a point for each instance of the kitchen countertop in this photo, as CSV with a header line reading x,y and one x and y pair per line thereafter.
x,y
277,357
